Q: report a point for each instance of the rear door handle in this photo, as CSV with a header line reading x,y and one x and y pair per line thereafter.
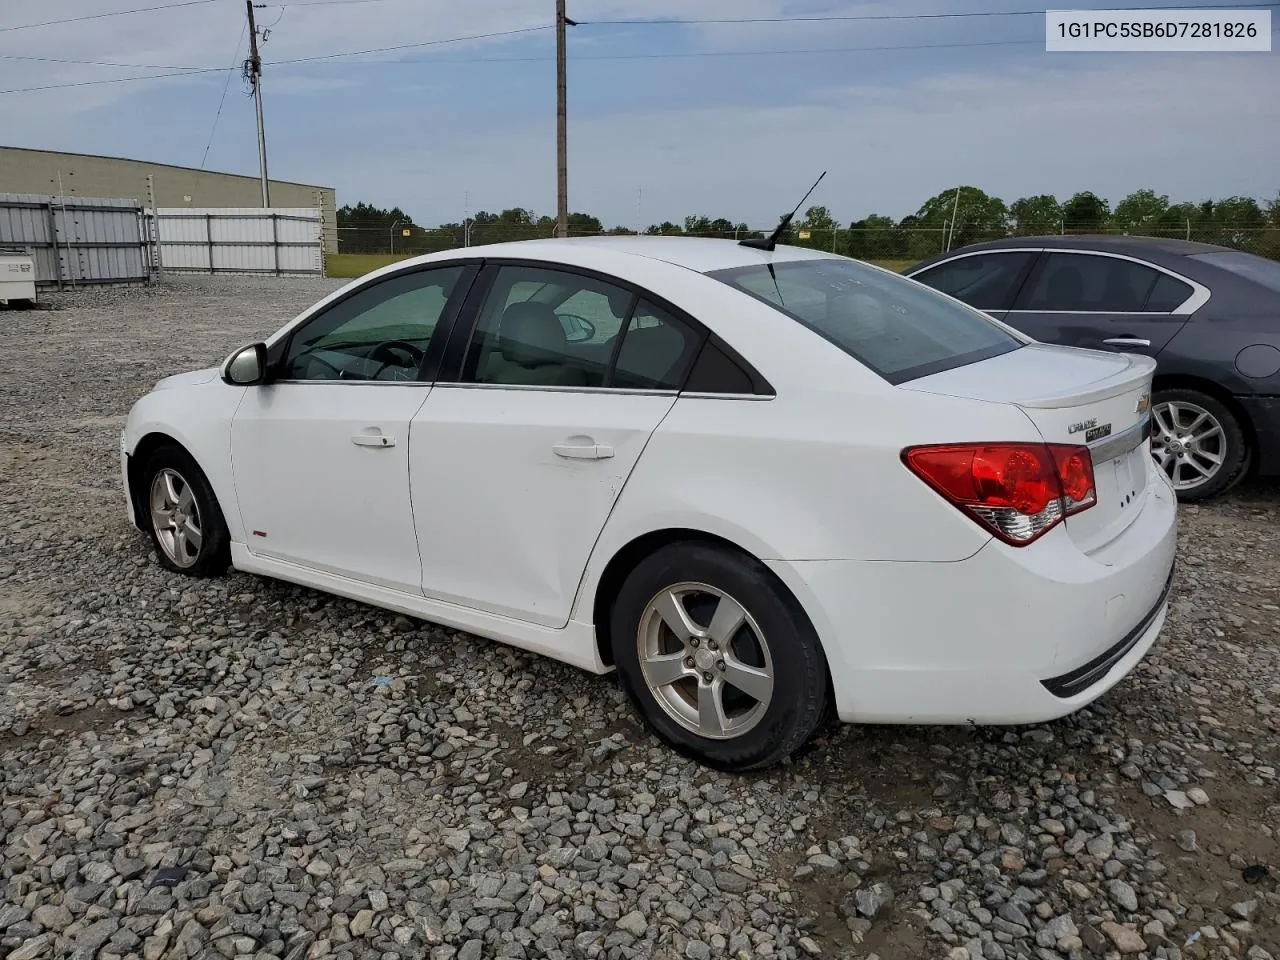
x,y
373,440
1127,342
582,448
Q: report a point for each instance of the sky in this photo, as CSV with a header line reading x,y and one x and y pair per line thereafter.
x,y
665,120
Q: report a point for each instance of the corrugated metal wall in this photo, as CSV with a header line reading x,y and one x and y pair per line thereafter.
x,y
77,240
242,240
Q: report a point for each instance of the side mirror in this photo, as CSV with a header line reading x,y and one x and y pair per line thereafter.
x,y
246,367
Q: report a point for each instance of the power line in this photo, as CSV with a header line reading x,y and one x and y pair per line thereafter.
x,y
410,46
811,51
894,16
235,61
91,83
97,63
112,13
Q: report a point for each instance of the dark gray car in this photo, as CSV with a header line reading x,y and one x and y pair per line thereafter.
x,y
1209,314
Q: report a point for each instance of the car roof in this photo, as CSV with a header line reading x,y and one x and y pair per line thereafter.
x,y
1107,242
701,254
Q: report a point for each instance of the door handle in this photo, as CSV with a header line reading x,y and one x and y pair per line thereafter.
x,y
1127,342
373,440
582,448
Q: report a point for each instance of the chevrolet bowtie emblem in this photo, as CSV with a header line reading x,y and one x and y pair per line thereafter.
x,y
1144,403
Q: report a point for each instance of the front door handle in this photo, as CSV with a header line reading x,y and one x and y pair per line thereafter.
x,y
1127,342
582,448
373,440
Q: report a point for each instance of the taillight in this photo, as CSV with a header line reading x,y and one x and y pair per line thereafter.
x,y
1019,491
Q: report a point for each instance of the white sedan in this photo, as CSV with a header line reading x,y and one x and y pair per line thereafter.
x,y
765,486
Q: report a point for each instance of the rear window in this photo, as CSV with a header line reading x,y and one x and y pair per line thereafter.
x,y
1255,268
900,329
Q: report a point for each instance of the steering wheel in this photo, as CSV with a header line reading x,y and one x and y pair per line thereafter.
x,y
575,320
390,348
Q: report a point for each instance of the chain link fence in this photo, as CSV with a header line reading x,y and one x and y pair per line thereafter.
x,y
896,243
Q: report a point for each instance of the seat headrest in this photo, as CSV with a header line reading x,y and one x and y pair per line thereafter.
x,y
531,334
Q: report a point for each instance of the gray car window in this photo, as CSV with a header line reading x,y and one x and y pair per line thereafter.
x,y
1077,282
988,281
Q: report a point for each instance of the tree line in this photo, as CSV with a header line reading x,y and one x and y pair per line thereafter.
x,y
953,218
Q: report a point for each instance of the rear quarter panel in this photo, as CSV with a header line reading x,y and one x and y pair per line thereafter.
x,y
810,476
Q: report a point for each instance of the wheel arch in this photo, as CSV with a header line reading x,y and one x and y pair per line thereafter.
x,y
148,444
625,559
1184,381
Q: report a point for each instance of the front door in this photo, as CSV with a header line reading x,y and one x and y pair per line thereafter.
x,y
516,467
321,454
1101,302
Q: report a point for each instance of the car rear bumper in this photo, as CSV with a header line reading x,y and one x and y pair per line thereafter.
x,y
1264,414
1010,635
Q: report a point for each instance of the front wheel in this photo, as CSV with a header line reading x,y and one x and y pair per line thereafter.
x,y
1198,442
718,657
183,518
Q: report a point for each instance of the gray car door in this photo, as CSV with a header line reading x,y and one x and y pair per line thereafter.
x,y
1104,301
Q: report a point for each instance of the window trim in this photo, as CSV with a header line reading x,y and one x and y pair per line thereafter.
x,y
1027,270
465,324
1199,296
428,370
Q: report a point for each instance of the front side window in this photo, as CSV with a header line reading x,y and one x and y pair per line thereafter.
x,y
899,329
1076,282
988,281
379,333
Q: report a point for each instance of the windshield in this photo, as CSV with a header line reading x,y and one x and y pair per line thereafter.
x,y
900,329
1255,268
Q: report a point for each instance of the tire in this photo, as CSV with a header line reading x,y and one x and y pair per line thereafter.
x,y
774,640
175,491
1185,454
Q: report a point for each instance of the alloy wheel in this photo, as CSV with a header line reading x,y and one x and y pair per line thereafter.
x,y
175,517
1188,443
705,660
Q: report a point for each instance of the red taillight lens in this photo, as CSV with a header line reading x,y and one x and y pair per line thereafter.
x,y
1019,491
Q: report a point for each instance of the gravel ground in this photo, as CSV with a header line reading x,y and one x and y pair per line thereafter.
x,y
208,769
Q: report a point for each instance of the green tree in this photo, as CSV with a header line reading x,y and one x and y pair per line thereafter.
x,y
1237,222
872,238
1140,212
978,216
666,229
1085,213
1036,216
364,228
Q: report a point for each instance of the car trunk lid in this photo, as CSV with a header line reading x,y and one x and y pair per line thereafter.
x,y
1094,399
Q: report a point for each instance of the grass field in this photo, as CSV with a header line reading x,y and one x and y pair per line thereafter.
x,y
343,265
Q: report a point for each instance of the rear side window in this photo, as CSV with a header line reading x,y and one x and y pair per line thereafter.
x,y
899,329
656,351
1079,282
988,281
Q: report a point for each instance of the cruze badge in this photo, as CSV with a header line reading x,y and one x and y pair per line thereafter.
x,y
1082,425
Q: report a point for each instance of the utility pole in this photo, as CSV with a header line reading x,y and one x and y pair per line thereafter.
x,y
254,69
562,125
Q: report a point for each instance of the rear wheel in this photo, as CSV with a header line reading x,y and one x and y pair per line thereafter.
x,y
183,517
718,657
1198,442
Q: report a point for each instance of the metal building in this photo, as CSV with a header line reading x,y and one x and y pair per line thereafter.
x,y
57,174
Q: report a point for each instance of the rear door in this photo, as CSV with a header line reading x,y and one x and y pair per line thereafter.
x,y
516,464
988,280
1104,301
